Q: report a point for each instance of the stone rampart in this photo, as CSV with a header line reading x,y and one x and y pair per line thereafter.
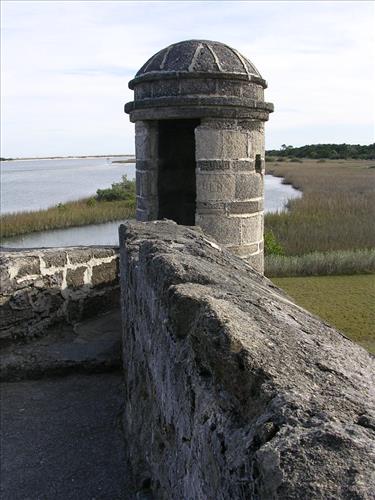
x,y
41,287
233,391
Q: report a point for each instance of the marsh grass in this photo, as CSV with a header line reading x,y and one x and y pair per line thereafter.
x,y
336,211
321,264
64,215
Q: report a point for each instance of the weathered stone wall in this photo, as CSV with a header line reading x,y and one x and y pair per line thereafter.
x,y
41,287
232,391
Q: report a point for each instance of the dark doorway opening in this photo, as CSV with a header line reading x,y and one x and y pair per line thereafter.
x,y
176,179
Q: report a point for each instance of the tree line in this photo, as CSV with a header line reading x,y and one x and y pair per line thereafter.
x,y
326,151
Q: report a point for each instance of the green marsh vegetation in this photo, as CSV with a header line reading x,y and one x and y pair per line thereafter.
x,y
114,203
330,230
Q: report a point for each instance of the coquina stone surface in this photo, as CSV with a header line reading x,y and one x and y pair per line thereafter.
x,y
233,391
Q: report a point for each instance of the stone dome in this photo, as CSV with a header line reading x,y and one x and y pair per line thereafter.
x,y
196,79
199,55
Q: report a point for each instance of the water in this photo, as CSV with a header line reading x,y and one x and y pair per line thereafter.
x,y
277,194
34,184
96,234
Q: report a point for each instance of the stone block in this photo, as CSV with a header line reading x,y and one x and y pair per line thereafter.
x,y
210,165
54,258
249,186
75,277
163,88
7,284
28,266
146,183
215,187
103,252
218,144
201,86
257,141
211,207
229,88
244,251
143,91
80,255
146,138
252,91
251,229
245,207
105,274
242,165
225,230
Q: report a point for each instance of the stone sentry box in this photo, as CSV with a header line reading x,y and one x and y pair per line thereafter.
x,y
199,116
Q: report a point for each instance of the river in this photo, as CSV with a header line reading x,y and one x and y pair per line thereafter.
x,y
35,184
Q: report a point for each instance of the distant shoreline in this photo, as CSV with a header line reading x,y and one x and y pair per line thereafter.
x,y
82,157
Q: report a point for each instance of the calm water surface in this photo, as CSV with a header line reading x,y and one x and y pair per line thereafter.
x,y
34,184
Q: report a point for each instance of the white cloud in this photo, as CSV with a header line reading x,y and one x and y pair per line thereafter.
x,y
66,65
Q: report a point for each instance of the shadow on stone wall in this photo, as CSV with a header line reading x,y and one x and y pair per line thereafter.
x,y
43,287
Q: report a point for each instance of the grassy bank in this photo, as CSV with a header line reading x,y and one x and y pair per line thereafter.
x,y
110,204
75,213
346,302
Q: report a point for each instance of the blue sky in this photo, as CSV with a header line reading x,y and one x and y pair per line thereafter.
x,y
65,67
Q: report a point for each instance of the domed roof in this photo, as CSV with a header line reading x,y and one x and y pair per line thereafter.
x,y
199,56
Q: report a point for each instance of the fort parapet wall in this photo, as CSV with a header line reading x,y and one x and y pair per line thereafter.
x,y
42,287
231,390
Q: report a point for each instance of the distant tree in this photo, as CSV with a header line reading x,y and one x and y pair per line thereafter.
x,y
324,151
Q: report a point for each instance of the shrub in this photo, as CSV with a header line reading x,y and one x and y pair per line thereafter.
x,y
91,202
271,245
123,190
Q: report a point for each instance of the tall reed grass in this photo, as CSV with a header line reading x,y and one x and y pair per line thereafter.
x,y
336,211
321,264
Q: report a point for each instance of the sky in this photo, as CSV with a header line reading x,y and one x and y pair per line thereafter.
x,y
65,66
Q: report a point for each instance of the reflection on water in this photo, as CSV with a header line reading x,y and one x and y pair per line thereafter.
x,y
100,174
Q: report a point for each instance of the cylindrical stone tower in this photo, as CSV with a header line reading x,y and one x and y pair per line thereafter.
x,y
199,116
